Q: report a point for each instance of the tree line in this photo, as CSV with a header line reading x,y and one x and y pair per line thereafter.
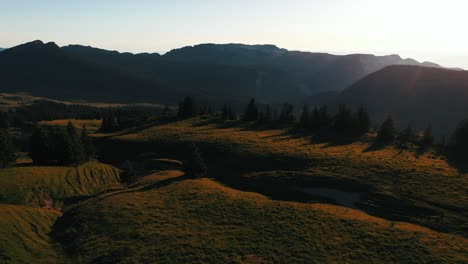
x,y
346,123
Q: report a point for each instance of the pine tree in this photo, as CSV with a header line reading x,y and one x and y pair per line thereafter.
x,y
74,153
315,120
7,154
194,165
40,147
268,115
460,136
251,112
408,134
304,121
428,137
343,121
324,118
386,132
363,121
287,114
88,147
187,108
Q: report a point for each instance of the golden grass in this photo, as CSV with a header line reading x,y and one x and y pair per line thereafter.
x,y
34,185
424,177
24,235
193,221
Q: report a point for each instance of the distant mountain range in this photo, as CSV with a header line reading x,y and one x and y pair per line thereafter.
x,y
212,73
2,49
417,96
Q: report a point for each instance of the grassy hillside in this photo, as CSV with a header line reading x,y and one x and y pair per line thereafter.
x,y
24,235
91,125
201,221
38,186
426,181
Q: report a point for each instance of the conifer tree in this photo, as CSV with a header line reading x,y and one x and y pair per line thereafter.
x,y
386,132
287,114
187,108
268,115
194,166
408,134
251,112
363,121
324,118
74,153
40,146
7,154
304,121
88,147
460,136
428,137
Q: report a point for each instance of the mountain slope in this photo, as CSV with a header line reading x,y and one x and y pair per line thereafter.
x,y
413,95
46,70
212,73
306,73
205,81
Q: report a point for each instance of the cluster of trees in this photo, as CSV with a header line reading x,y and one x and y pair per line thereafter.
x,y
123,118
345,123
47,110
62,146
7,153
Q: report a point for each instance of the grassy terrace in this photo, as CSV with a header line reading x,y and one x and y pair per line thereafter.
x,y
32,185
168,219
425,179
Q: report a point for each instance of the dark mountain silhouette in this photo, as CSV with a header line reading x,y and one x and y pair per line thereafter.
x,y
212,73
208,82
2,49
413,95
46,70
302,73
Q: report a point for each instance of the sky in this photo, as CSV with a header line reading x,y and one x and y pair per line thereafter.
x,y
426,30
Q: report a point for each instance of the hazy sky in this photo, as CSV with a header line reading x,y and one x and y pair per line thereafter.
x,y
422,29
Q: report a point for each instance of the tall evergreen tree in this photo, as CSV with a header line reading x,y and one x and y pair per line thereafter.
x,y
194,166
7,154
408,134
304,121
251,112
428,137
41,148
343,123
268,117
187,108
386,132
363,121
324,118
89,150
460,137
74,152
287,114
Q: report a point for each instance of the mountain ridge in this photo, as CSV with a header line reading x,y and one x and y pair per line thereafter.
x,y
413,95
